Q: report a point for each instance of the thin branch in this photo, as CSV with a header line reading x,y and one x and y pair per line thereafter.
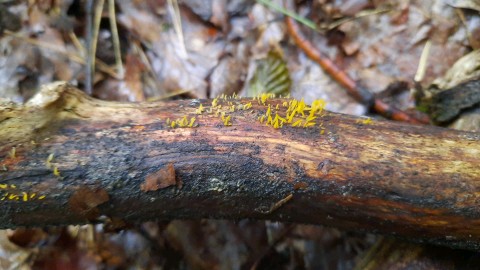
x,y
359,93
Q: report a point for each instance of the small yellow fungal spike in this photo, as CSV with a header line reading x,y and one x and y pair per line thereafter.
x,y
214,102
232,109
261,118
297,123
192,122
322,131
42,197
184,122
269,120
264,98
168,121
200,109
285,104
318,105
226,121
276,107
55,171
367,121
269,111
173,124
310,118
290,117
309,124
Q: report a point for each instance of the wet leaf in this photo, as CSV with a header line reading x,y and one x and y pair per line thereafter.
x,y
271,76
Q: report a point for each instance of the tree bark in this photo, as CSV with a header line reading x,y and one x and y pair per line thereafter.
x,y
66,158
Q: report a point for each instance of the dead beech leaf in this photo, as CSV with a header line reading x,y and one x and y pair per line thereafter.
x,y
162,178
85,200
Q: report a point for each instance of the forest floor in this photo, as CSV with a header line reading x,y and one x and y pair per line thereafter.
x,y
203,49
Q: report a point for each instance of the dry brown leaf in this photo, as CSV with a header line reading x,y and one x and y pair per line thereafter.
x,y
163,178
85,200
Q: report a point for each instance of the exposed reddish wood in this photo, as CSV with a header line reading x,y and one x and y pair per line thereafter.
x,y
417,182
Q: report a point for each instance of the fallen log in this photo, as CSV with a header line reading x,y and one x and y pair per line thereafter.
x,y
66,158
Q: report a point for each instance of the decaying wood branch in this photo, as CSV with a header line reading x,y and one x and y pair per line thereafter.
x,y
67,159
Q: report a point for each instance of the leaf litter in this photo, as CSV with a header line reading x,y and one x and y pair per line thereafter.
x,y
205,49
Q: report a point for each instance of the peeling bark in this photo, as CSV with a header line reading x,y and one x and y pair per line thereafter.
x,y
417,182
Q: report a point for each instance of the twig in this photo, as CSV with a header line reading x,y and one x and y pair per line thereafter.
x,y
89,61
359,93
115,37
94,40
177,25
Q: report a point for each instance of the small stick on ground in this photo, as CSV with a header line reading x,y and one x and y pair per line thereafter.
x,y
360,94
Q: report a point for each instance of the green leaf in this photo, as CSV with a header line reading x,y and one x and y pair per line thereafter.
x,y
271,76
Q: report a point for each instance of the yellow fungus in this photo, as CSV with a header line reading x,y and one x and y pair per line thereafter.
x,y
226,121
263,97
200,109
285,104
318,105
55,171
290,117
173,124
192,121
269,111
184,122
309,124
276,107
280,118
214,102
168,121
310,118
297,123
232,109
41,197
261,118
367,121
269,120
